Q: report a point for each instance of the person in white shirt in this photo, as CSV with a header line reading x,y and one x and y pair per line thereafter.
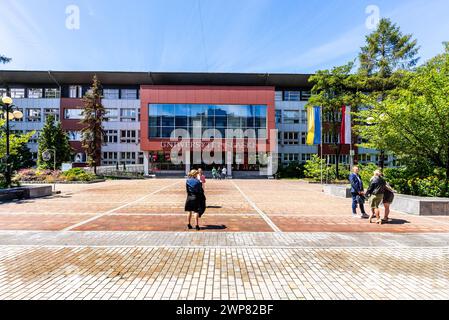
x,y
224,172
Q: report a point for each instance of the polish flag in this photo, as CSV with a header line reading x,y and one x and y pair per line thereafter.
x,y
346,129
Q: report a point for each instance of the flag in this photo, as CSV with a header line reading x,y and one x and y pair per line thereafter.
x,y
314,126
346,130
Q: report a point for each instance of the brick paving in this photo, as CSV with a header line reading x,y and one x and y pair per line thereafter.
x,y
260,240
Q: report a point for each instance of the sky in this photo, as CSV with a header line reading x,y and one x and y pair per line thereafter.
x,y
260,36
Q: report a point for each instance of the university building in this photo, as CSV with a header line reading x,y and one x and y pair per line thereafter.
x,y
143,108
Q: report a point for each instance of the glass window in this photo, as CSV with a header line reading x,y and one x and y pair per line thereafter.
x,y
292,95
111,94
305,95
291,138
165,118
17,93
278,116
35,93
3,92
73,114
75,92
291,117
74,135
34,115
128,115
54,112
111,115
111,136
52,93
278,96
128,136
129,94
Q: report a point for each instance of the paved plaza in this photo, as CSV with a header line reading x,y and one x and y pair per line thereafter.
x,y
260,240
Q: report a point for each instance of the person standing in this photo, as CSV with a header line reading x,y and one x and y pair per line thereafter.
x,y
219,173
196,200
387,201
214,173
224,173
358,193
202,178
375,193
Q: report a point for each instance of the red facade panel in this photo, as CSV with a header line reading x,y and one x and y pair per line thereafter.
x,y
202,95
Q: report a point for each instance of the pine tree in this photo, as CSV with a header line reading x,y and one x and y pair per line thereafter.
x,y
53,137
93,133
384,58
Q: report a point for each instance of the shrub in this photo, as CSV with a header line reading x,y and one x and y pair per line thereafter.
x,y
292,170
77,174
313,170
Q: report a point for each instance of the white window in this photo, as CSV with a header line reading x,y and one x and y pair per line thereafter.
x,y
74,135
75,91
290,157
305,95
303,138
304,116
111,115
329,138
3,92
110,158
111,136
128,136
52,93
34,115
278,116
128,157
35,93
291,138
17,93
73,114
128,115
279,95
54,112
292,95
34,139
129,94
113,94
306,157
291,117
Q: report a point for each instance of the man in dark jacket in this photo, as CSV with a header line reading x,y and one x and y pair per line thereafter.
x,y
358,195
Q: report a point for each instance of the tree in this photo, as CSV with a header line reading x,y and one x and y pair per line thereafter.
x,y
383,60
412,121
52,138
93,133
16,144
333,89
23,159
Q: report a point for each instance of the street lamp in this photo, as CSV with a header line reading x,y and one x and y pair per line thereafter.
x,y
7,108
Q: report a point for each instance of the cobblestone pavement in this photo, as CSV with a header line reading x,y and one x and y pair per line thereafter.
x,y
224,266
260,240
234,206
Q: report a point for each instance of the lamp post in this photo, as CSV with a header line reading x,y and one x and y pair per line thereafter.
x,y
7,107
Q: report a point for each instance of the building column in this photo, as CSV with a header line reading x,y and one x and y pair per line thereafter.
x,y
229,158
146,163
187,162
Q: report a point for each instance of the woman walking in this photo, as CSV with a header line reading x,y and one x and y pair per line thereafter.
x,y
196,201
387,201
375,193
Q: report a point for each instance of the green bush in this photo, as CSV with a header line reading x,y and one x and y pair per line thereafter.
x,y
77,174
312,170
292,170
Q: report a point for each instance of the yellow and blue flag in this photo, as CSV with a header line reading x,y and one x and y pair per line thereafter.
x,y
314,126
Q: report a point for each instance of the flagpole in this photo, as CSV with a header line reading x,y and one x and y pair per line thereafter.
x,y
321,143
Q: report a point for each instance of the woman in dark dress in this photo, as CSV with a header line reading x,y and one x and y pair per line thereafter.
x,y
196,200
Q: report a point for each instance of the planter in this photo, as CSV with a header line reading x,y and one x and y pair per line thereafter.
x,y
337,190
420,206
62,182
26,192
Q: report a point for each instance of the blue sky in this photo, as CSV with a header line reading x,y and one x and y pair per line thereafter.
x,y
285,36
